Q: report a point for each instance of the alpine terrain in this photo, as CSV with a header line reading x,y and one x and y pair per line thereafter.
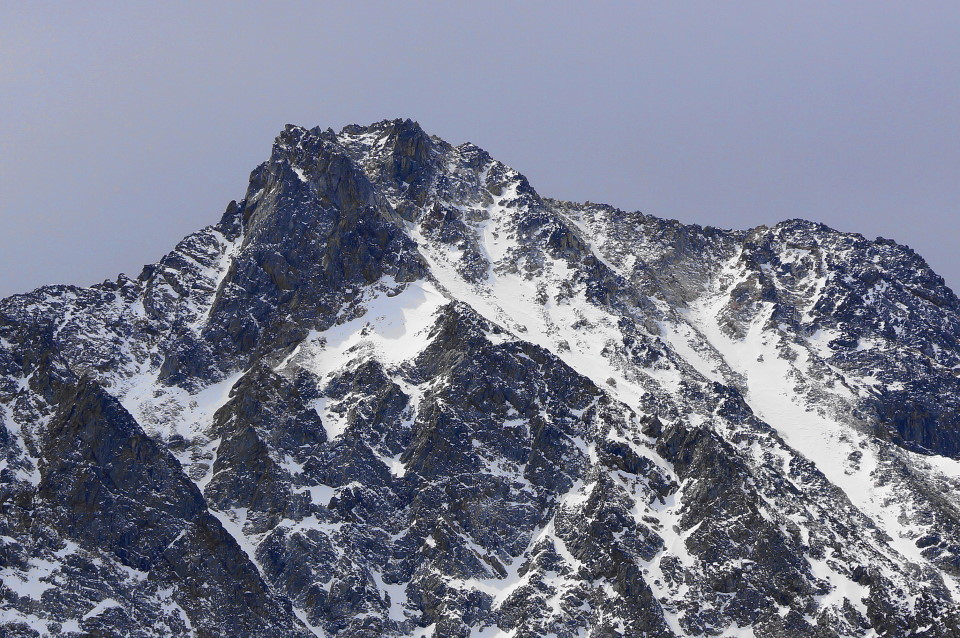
x,y
395,391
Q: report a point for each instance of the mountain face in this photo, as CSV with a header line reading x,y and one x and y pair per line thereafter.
x,y
396,392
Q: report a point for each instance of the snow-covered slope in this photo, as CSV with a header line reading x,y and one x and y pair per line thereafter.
x,y
396,392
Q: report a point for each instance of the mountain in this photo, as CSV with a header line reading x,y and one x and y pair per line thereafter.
x,y
394,391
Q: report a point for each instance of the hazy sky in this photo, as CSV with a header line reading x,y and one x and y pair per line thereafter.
x,y
124,128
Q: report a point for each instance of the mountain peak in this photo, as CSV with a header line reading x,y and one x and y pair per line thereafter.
x,y
395,392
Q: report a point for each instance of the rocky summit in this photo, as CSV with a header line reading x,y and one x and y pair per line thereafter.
x,y
395,391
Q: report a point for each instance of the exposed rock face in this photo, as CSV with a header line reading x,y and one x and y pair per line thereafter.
x,y
396,392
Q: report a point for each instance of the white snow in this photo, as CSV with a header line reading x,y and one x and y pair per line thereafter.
x,y
164,410
101,607
319,494
397,468
31,582
394,328
773,395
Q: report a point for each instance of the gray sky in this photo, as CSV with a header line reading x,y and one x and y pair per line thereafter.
x,y
124,128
